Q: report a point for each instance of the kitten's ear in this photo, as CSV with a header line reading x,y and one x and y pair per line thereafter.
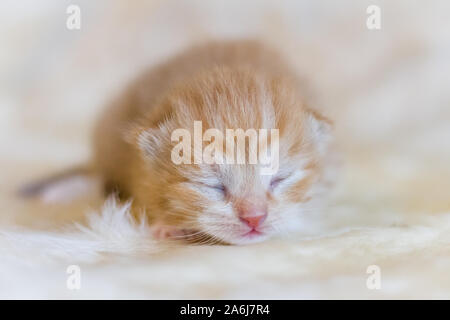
x,y
148,140
321,130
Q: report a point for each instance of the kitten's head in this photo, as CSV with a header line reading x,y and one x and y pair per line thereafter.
x,y
234,203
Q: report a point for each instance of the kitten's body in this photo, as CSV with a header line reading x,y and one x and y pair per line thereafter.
x,y
224,85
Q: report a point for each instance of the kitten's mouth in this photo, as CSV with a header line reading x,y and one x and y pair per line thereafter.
x,y
252,234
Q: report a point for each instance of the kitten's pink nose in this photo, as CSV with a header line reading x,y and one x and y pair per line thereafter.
x,y
252,212
254,221
252,215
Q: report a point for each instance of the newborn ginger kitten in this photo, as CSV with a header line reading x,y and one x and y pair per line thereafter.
x,y
223,85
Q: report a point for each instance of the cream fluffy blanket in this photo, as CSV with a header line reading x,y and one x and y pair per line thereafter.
x,y
387,90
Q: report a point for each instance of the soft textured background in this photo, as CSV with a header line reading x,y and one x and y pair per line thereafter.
x,y
387,90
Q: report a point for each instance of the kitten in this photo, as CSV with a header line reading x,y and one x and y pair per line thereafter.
x,y
224,85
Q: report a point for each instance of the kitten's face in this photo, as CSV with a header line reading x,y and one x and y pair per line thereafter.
x,y
230,202
236,203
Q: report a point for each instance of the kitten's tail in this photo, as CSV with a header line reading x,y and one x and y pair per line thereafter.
x,y
64,186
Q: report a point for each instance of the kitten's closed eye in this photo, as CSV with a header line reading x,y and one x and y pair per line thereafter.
x,y
276,181
219,187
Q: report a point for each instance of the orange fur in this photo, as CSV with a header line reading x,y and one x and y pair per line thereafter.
x,y
238,84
